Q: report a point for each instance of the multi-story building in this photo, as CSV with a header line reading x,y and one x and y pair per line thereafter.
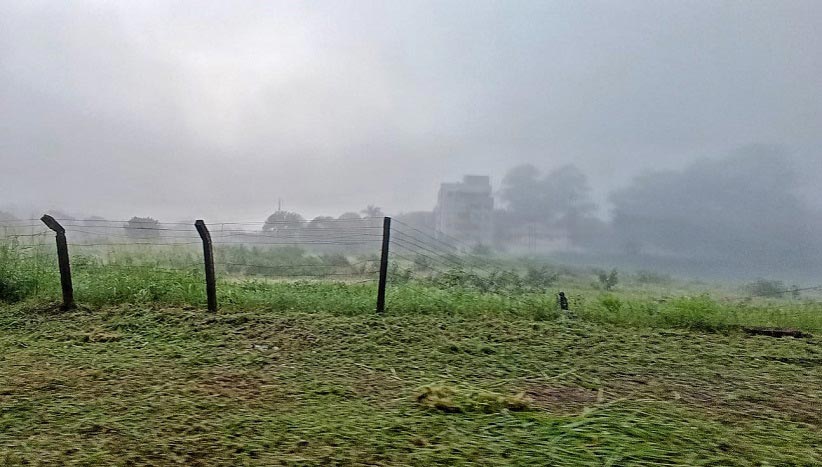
x,y
464,209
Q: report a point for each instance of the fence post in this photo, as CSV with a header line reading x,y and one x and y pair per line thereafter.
x,y
386,240
62,260
208,257
563,301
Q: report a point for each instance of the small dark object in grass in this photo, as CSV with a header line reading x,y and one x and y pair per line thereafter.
x,y
563,301
776,332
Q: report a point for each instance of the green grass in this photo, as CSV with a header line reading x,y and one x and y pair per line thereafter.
x,y
701,312
142,384
172,277
99,286
459,370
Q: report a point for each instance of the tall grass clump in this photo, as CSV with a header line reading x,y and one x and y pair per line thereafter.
x,y
303,295
98,285
699,313
24,273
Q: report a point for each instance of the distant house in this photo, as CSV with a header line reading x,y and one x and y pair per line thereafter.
x,y
464,209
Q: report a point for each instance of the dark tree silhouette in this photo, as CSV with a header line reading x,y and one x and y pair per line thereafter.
x,y
372,211
742,209
142,227
561,196
349,216
283,221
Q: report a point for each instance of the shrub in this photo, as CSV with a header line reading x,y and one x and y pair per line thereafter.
x,y
540,277
608,280
650,277
335,259
20,276
696,313
766,288
611,303
142,228
421,262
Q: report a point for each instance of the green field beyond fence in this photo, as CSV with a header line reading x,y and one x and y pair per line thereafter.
x,y
335,269
471,362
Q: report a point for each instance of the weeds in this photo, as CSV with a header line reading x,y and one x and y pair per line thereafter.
x,y
608,280
175,278
143,385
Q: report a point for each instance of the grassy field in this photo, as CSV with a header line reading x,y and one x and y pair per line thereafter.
x,y
142,384
458,371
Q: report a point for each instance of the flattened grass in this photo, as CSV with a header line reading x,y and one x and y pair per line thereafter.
x,y
140,384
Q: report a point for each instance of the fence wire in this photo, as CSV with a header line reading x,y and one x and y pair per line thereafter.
x,y
346,250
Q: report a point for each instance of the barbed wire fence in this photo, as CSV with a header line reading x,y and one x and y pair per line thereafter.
x,y
394,255
346,250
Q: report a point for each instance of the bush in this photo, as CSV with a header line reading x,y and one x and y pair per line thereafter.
x,y
696,313
20,275
540,277
766,288
15,287
335,259
608,280
142,228
422,263
650,277
611,303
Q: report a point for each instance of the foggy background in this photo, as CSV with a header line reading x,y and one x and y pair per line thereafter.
x,y
694,124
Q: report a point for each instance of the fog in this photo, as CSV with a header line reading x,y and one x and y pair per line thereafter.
x,y
670,112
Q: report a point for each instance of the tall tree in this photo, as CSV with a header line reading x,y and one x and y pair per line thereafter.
x,y
372,211
560,196
283,221
321,222
742,209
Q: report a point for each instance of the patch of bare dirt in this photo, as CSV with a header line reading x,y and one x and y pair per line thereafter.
x,y
561,399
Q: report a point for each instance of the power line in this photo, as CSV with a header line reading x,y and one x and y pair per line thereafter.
x,y
295,234
461,264
311,242
430,258
424,266
129,227
134,243
294,266
477,258
114,235
421,244
361,219
39,234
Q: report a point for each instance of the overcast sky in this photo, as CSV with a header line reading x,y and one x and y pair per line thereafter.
x,y
217,109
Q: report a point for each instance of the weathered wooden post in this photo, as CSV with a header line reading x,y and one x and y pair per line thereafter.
x,y
62,260
386,240
208,257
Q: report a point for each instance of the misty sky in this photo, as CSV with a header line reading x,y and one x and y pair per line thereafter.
x,y
216,109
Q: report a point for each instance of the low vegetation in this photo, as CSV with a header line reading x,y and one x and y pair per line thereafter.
x,y
463,368
143,384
